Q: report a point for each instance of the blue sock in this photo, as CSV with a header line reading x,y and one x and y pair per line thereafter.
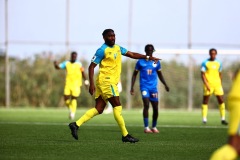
x,y
154,124
145,122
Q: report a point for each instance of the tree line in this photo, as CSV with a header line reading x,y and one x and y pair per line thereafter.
x,y
34,82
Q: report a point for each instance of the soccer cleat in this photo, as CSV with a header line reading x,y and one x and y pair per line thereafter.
x,y
129,138
155,130
204,122
74,128
224,122
147,130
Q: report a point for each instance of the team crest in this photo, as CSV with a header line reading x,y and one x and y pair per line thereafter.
x,y
144,93
154,64
94,57
115,55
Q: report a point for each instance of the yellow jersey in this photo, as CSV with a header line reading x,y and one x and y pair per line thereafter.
x,y
212,70
234,92
73,72
110,63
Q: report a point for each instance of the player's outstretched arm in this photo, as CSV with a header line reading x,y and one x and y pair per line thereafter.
x,y
141,56
91,77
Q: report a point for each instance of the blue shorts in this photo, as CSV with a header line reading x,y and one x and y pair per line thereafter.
x,y
152,93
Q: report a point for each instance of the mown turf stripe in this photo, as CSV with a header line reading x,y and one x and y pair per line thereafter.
x,y
100,125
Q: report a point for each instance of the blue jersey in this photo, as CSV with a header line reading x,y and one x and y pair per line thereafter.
x,y
148,73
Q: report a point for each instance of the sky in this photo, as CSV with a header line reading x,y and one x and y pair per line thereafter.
x,y
36,26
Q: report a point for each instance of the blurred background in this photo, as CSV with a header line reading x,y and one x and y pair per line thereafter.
x,y
35,33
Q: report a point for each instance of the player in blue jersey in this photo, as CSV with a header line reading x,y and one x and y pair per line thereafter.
x,y
149,71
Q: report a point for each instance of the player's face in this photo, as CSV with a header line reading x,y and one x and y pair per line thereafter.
x,y
149,51
109,38
73,57
213,54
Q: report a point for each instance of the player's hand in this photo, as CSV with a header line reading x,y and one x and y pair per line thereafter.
x,y
155,59
208,88
91,89
86,82
167,88
132,91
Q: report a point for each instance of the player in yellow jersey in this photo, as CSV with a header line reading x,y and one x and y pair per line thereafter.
x,y
73,82
109,58
212,79
231,150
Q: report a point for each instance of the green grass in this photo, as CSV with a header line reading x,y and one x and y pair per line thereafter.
x,y
44,134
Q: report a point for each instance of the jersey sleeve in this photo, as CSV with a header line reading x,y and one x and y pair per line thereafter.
x,y
159,66
138,66
82,69
98,57
81,66
63,65
123,50
220,68
203,67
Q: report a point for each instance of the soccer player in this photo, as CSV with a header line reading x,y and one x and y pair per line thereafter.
x,y
149,74
212,79
231,150
73,82
109,57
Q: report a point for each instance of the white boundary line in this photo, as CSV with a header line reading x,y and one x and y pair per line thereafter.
x,y
101,125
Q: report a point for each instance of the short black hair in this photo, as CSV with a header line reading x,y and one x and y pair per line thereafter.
x,y
149,45
106,31
73,52
212,49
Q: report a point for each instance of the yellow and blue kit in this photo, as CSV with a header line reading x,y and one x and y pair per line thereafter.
x,y
73,80
212,69
110,65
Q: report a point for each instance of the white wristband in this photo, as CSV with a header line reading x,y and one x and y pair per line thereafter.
x,y
147,57
86,82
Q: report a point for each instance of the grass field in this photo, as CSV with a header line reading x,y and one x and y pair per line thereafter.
x,y
44,134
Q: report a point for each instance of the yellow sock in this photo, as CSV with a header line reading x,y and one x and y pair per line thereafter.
x,y
204,111
73,106
67,102
117,112
222,110
226,152
87,116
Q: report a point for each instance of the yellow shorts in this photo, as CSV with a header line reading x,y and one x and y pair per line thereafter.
x,y
73,90
234,122
214,89
106,91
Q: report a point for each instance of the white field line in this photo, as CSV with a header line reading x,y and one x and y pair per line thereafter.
x,y
101,125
